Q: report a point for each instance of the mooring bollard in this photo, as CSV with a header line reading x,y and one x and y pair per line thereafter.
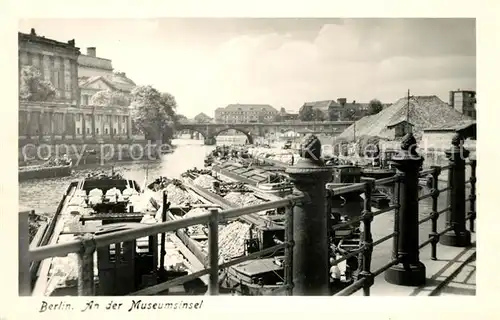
x,y
458,236
409,271
310,252
86,285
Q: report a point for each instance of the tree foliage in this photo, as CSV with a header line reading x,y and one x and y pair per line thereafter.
x,y
350,114
318,115
308,113
154,112
33,87
333,114
375,106
110,98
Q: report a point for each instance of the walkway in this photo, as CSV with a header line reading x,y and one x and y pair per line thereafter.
x,y
453,274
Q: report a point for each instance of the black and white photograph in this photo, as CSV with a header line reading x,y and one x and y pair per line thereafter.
x,y
246,157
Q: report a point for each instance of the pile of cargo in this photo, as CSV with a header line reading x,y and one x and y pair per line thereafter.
x,y
204,181
243,199
231,240
177,195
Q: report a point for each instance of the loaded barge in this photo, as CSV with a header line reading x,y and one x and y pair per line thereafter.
x,y
105,204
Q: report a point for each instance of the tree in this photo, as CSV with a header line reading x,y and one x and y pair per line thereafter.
x,y
154,112
333,114
318,115
374,107
306,113
350,114
110,98
33,87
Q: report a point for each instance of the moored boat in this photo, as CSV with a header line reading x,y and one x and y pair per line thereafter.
x,y
103,204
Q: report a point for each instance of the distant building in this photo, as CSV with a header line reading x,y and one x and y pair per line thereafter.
x,y
464,101
96,74
64,117
57,62
340,109
245,113
202,118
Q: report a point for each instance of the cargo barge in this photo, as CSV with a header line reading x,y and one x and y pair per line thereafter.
x,y
105,204
43,172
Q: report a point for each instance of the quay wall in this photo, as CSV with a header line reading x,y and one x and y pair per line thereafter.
x,y
44,172
88,152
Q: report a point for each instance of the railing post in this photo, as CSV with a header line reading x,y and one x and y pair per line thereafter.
x,y
409,271
86,266
289,249
434,215
367,236
310,252
459,236
472,196
213,252
24,259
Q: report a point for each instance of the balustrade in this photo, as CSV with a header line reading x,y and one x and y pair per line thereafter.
x,y
306,261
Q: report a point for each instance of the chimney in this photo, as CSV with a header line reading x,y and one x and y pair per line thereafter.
x,y
342,101
33,33
452,100
91,51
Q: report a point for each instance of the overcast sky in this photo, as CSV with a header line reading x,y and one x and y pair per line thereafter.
x,y
209,63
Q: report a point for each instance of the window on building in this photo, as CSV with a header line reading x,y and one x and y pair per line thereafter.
x,y
114,130
77,130
85,100
106,131
88,130
97,130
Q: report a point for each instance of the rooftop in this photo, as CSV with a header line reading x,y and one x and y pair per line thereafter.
x,y
32,37
250,107
117,81
424,112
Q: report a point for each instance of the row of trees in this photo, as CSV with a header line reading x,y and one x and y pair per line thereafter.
x,y
153,112
308,113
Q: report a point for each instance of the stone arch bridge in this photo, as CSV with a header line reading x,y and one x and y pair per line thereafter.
x,y
210,131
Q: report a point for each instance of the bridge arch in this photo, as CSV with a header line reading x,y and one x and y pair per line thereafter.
x,y
193,129
246,133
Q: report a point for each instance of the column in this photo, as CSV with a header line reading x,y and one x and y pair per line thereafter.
x,y
46,67
120,119
310,266
129,127
40,125
84,126
410,271
28,124
94,133
458,236
64,119
67,79
52,125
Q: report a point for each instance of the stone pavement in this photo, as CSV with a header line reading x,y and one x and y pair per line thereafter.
x,y
453,274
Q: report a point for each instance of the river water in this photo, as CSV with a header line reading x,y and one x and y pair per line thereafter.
x,y
44,195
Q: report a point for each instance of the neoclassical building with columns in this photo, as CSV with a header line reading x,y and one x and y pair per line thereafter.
x,y
64,118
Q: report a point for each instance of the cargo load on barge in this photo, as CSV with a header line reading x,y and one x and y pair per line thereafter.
x,y
102,204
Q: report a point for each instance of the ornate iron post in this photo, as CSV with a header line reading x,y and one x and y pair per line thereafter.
x,y
459,236
409,271
472,195
86,285
310,252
